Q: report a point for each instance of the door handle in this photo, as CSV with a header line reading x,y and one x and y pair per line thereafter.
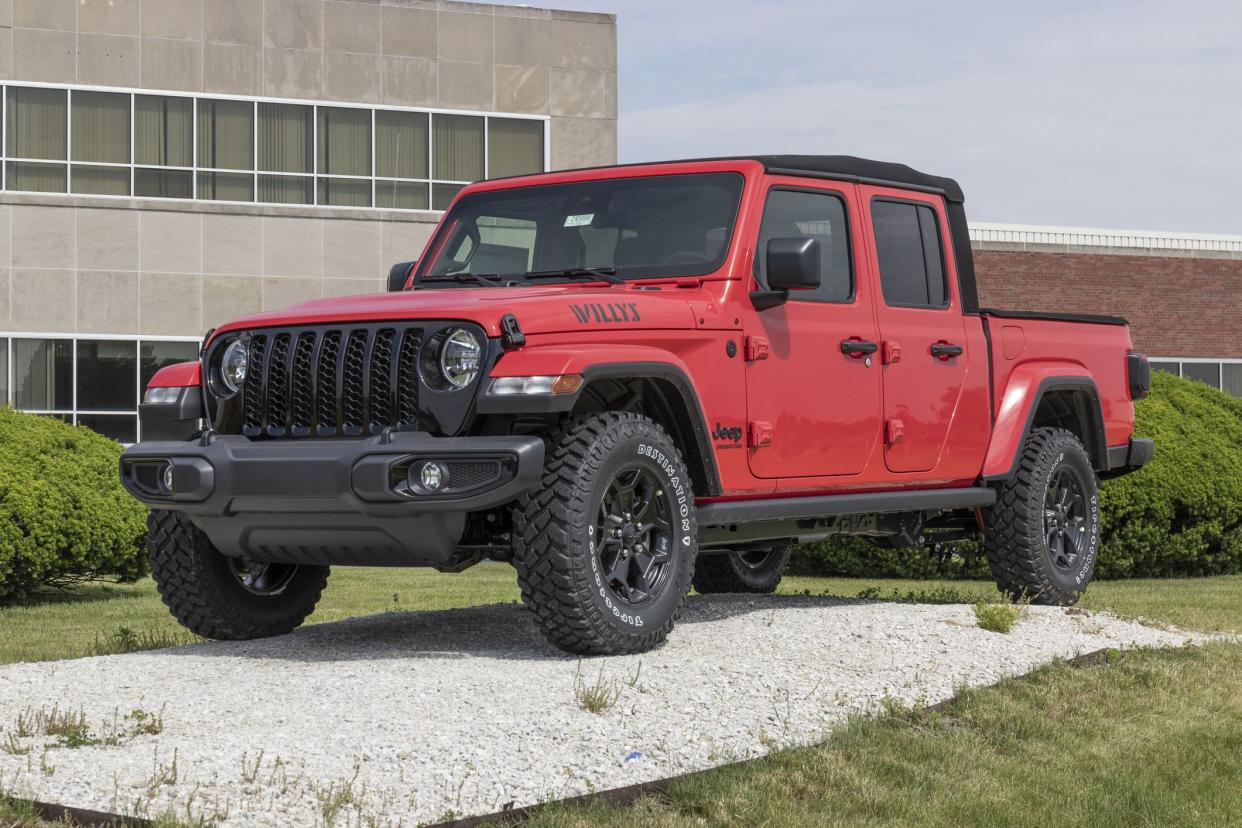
x,y
944,351
856,348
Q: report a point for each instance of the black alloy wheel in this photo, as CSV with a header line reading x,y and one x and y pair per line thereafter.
x,y
634,535
1065,517
262,578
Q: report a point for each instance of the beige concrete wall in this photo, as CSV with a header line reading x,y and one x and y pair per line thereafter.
x,y
129,266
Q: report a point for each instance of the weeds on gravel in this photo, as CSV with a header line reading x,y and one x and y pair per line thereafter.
x,y
162,774
599,697
70,729
998,618
13,746
337,796
930,595
128,640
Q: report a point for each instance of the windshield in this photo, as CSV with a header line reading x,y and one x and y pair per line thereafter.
x,y
637,228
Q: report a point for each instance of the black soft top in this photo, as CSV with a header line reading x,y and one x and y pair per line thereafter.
x,y
851,168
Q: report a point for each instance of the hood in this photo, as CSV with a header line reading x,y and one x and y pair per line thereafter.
x,y
543,309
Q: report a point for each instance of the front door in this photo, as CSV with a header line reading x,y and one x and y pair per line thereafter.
x,y
813,408
921,325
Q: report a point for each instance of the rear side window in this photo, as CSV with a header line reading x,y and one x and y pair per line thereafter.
x,y
821,216
907,242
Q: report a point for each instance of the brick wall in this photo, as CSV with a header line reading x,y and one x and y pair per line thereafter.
x,y
1177,305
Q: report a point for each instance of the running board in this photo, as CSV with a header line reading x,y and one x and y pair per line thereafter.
x,y
803,508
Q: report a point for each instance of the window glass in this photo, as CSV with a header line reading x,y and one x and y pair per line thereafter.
x,y
42,374
458,144
101,127
40,178
1174,368
907,241
1231,378
4,372
345,192
403,195
285,133
37,123
442,195
286,189
157,355
344,141
158,183
100,180
163,131
821,216
107,375
122,428
1208,372
226,186
226,134
666,226
400,144
514,147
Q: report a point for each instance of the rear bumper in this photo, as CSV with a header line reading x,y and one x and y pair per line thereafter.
x,y
336,501
1130,457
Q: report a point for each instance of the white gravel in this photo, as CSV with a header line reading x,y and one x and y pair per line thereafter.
x,y
407,718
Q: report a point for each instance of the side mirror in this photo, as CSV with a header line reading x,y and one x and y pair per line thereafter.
x,y
399,275
793,264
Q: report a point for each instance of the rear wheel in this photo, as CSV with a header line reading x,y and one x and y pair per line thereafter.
x,y
605,548
1043,534
754,571
217,596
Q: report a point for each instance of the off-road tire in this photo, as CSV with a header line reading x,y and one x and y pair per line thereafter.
x,y
731,572
1016,539
197,585
554,550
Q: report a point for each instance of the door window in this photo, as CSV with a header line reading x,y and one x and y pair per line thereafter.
x,y
820,216
907,243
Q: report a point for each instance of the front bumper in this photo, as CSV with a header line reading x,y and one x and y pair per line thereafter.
x,y
337,501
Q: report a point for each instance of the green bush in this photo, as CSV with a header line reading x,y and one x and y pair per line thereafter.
x,y
1179,516
64,517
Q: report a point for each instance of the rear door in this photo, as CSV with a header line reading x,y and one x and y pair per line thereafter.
x,y
813,410
924,352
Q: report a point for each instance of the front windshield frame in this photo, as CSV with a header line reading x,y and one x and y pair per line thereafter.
x,y
448,233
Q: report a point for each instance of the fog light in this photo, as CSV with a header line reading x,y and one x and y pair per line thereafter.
x,y
431,476
168,478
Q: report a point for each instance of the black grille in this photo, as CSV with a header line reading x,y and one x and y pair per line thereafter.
x,y
333,382
467,474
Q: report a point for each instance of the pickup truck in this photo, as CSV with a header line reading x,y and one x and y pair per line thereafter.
x,y
631,380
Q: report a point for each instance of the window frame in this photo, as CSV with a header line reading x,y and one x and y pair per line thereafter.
x,y
944,267
430,184
806,295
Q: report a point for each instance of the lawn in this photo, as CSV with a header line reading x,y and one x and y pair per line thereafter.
x,y
1149,738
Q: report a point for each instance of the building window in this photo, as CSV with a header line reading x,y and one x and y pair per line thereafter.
x,y
97,382
123,143
1223,374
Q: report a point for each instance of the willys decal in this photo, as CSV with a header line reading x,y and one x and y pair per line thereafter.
x,y
605,312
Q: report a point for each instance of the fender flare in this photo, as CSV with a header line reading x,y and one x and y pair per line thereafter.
x,y
1028,384
595,362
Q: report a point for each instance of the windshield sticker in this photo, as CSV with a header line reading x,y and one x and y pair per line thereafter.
x,y
580,220
611,312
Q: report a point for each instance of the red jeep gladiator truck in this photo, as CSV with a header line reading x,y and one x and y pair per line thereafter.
x,y
630,380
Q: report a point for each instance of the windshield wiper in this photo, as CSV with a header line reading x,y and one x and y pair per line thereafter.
x,y
485,279
603,274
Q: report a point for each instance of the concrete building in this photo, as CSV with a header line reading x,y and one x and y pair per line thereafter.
x,y
171,164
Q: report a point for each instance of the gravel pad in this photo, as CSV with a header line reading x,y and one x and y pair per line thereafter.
x,y
407,718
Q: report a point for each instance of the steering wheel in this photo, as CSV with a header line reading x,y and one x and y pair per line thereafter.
x,y
687,257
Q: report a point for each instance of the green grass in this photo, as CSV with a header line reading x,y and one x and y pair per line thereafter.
x,y
1150,738
109,618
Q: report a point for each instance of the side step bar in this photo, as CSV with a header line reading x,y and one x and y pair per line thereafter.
x,y
802,508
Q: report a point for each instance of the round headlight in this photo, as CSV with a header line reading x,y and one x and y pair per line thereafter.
x,y
459,357
233,366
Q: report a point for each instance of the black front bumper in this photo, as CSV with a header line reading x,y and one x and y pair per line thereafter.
x,y
337,501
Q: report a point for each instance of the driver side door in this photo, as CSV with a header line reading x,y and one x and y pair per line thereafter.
x,y
813,405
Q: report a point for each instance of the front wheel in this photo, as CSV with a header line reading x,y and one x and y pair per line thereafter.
x,y
1043,535
227,598
753,570
605,548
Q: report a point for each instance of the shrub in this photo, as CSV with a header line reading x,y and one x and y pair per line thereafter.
x,y
997,618
64,517
1179,516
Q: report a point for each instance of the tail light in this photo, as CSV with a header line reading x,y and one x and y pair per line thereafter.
x,y
1139,375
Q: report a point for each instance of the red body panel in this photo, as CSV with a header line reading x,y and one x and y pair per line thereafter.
x,y
813,419
180,375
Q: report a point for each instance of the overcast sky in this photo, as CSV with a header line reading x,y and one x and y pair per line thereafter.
x,y
1091,113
